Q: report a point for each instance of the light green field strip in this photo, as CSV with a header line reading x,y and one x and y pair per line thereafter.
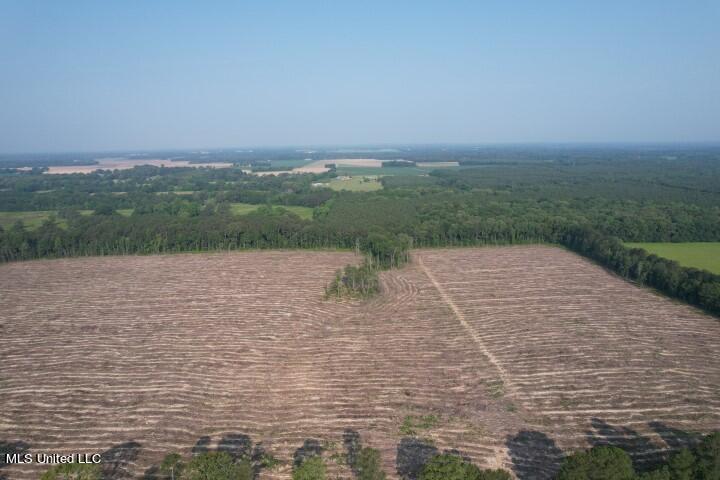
x,y
31,220
245,208
34,219
704,255
356,184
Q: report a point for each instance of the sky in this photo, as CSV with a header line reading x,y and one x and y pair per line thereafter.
x,y
153,74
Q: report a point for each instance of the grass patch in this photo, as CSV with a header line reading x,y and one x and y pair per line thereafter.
x,y
305,213
34,219
360,171
268,461
356,184
703,255
31,220
413,423
496,388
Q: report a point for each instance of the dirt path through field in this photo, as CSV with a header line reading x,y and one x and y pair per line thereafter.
x,y
470,330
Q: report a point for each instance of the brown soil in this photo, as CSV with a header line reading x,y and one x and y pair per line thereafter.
x,y
125,164
520,353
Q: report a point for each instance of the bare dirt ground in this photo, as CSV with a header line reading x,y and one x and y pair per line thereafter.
x,y
125,164
318,166
512,355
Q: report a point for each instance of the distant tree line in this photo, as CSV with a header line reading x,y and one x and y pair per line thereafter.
x,y
398,163
697,287
582,202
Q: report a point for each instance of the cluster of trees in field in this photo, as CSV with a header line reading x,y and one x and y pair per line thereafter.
x,y
697,287
382,252
354,281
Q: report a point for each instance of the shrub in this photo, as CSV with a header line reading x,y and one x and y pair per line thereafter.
x,y
659,474
449,467
73,471
682,465
312,468
599,463
707,457
355,282
217,466
368,465
497,474
172,466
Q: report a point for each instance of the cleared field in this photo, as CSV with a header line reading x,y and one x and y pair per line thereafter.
x,y
348,162
384,171
126,163
245,208
703,255
510,355
356,184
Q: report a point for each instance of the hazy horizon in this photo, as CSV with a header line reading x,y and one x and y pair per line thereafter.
x,y
107,77
380,148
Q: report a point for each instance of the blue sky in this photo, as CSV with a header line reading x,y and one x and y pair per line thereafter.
x,y
105,75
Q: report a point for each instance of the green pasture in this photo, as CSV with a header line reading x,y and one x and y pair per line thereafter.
x,y
245,208
356,184
704,255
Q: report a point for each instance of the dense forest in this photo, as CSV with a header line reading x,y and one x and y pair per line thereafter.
x,y
589,199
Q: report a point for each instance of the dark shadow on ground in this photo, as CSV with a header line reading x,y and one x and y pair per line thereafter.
x,y
412,455
310,448
353,445
457,453
237,445
11,448
674,438
533,455
647,452
115,460
201,446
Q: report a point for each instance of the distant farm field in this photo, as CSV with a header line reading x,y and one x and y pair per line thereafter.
x,y
30,220
33,219
511,355
356,184
704,255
